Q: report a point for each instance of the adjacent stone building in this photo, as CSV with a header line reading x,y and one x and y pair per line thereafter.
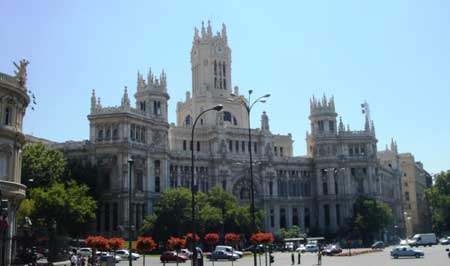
x,y
14,100
315,191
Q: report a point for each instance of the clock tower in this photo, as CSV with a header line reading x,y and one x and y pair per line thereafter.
x,y
211,63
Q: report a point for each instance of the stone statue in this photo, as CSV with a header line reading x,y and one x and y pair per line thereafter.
x,y
21,72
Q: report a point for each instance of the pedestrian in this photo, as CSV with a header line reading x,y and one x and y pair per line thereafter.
x,y
292,258
299,257
83,261
319,257
73,260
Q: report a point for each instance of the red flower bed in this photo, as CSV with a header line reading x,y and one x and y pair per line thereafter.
x,y
116,243
97,243
211,238
176,243
145,244
262,238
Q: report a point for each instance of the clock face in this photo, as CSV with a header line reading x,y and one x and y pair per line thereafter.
x,y
219,49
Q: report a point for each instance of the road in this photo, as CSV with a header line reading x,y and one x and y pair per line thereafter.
x,y
435,256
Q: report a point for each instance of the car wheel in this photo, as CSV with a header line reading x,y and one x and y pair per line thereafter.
x,y
417,256
395,256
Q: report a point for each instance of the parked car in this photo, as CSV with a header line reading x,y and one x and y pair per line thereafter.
x,y
444,240
423,240
222,255
186,252
405,251
311,248
230,249
301,248
105,255
85,252
332,250
172,256
124,254
378,245
259,249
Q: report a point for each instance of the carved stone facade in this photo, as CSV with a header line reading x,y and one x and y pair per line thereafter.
x,y
315,192
13,103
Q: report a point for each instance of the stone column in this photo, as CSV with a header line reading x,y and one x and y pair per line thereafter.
x,y
288,216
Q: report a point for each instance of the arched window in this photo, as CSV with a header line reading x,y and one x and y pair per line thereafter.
x,y
215,83
115,133
108,134
187,120
3,165
244,194
227,116
7,116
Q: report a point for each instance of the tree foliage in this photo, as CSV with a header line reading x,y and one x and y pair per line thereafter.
x,y
215,211
370,217
438,197
292,232
41,166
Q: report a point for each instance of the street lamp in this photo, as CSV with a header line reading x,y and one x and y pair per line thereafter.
x,y
248,104
130,212
217,108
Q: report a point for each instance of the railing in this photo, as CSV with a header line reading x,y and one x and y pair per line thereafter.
x,y
9,80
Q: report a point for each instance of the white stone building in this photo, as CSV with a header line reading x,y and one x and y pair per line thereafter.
x,y
14,100
315,191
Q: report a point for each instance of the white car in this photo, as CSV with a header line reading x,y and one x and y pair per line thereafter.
x,y
105,254
311,248
124,254
301,248
185,252
85,252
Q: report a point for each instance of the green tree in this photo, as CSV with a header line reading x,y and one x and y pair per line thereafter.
x,y
41,166
292,232
438,197
370,217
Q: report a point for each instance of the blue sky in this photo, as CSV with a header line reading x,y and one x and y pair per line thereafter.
x,y
394,54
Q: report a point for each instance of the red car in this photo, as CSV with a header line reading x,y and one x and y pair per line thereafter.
x,y
172,256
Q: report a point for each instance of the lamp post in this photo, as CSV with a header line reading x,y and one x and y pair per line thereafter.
x,y
248,104
130,211
217,108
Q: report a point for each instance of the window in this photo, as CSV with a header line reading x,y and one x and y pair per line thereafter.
x,y
106,225
3,165
139,181
325,188
407,195
108,134
243,146
336,188
115,216
184,145
270,188
157,173
331,125
157,107
282,218
187,120
115,133
236,146
244,194
338,214
142,106
230,145
198,145
326,210
7,116
320,126
307,222
132,132
275,150
272,218
227,116
223,70
100,134
255,147
224,184
294,216
157,184
281,151
190,145
234,121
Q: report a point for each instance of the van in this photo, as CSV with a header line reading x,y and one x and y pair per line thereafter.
x,y
229,249
423,240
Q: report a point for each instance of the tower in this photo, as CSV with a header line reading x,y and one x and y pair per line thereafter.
x,y
323,116
151,96
211,63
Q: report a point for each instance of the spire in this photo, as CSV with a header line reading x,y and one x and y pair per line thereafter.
x,y
265,122
348,127
393,145
209,29
93,102
386,147
331,103
99,104
140,81
341,125
203,30
324,100
150,76
196,37
366,124
372,127
224,32
125,99
163,79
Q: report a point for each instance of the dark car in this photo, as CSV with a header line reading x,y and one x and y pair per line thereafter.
x,y
448,250
331,250
378,245
259,249
223,255
172,256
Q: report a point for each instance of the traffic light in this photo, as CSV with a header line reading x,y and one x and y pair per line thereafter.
x,y
272,259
